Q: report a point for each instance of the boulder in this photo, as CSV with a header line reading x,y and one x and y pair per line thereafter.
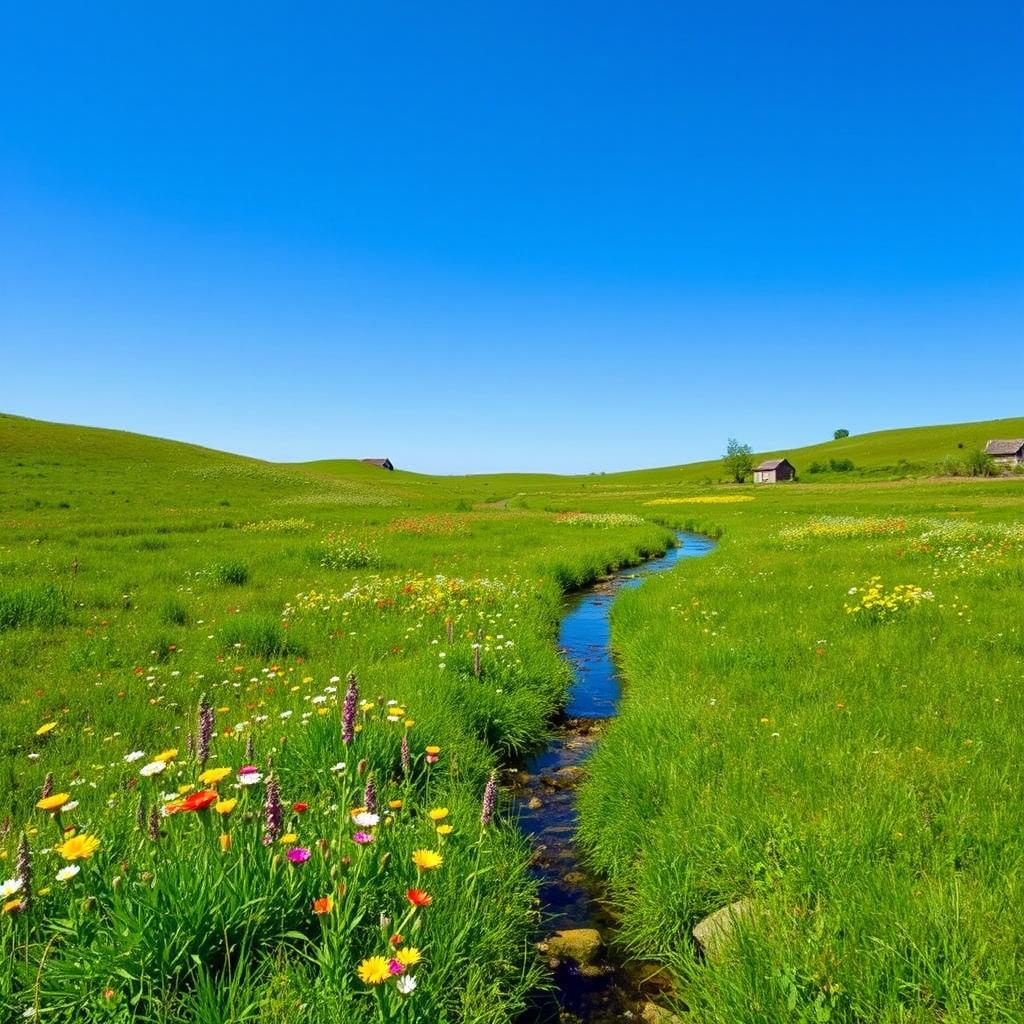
x,y
579,944
713,933
652,1013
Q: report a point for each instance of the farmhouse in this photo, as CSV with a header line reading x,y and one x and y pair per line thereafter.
x,y
379,463
772,471
1007,453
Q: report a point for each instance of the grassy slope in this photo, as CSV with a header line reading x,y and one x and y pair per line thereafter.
x,y
888,870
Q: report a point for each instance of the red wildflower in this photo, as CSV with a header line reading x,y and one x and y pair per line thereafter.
x,y
198,801
299,807
418,898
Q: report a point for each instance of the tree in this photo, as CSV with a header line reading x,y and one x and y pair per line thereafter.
x,y
738,460
840,433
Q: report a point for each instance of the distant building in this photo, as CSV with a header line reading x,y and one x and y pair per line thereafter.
x,y
1007,453
379,463
773,471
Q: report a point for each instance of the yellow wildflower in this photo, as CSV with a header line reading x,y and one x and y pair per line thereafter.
x,y
53,803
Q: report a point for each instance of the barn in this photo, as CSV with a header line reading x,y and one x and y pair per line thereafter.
x,y
379,463
1007,453
773,471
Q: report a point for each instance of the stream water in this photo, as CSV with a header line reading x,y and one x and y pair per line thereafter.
x,y
546,795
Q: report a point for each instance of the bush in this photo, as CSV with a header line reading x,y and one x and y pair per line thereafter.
x,y
840,434
42,605
951,466
981,464
816,467
235,574
841,465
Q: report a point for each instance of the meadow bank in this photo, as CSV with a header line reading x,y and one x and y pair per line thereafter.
x,y
854,775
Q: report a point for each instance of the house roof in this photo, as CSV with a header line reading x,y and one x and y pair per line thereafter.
x,y
1011,447
771,464
377,462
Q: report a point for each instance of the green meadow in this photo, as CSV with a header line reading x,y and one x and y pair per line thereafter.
x,y
820,719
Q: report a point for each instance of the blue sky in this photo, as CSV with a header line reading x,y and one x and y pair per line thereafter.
x,y
476,237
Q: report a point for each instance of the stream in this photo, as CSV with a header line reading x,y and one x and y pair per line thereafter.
x,y
600,990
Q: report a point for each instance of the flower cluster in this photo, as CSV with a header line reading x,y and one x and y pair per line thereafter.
x,y
844,527
705,499
605,519
340,551
875,602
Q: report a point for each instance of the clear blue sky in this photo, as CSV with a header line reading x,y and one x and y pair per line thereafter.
x,y
524,236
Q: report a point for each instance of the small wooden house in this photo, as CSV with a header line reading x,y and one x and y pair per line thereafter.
x,y
773,471
1007,453
379,463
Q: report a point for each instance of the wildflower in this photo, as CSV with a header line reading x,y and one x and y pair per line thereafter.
x,y
199,801
273,812
299,807
250,778
374,970
135,755
419,898
10,887
53,803
395,805
444,830
225,806
153,830
406,985
406,756
395,966
12,905
153,768
214,775
225,842
25,872
427,860
438,814
167,755
289,838
362,838
205,731
80,847
298,855
339,767
47,785
48,727
323,905
364,819
370,795
490,797
410,956
67,873
69,806
348,714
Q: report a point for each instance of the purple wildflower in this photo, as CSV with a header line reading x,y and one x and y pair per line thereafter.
x,y
298,855
490,796
362,838
206,723
406,756
25,872
273,813
396,966
348,712
47,785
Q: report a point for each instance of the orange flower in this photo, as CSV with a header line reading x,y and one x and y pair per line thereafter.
x,y
323,905
199,801
225,842
419,898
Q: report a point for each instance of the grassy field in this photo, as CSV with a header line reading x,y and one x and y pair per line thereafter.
x,y
855,775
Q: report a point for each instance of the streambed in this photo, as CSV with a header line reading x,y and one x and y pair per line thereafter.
x,y
545,792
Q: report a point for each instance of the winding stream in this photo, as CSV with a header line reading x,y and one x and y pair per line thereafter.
x,y
571,898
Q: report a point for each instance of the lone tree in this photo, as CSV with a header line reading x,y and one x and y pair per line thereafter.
x,y
738,460
840,433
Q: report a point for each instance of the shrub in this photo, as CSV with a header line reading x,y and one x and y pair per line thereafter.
x,y
816,467
840,434
40,604
235,574
339,551
841,465
951,466
980,464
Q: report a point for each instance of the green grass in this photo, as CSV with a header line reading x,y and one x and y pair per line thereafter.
x,y
878,833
